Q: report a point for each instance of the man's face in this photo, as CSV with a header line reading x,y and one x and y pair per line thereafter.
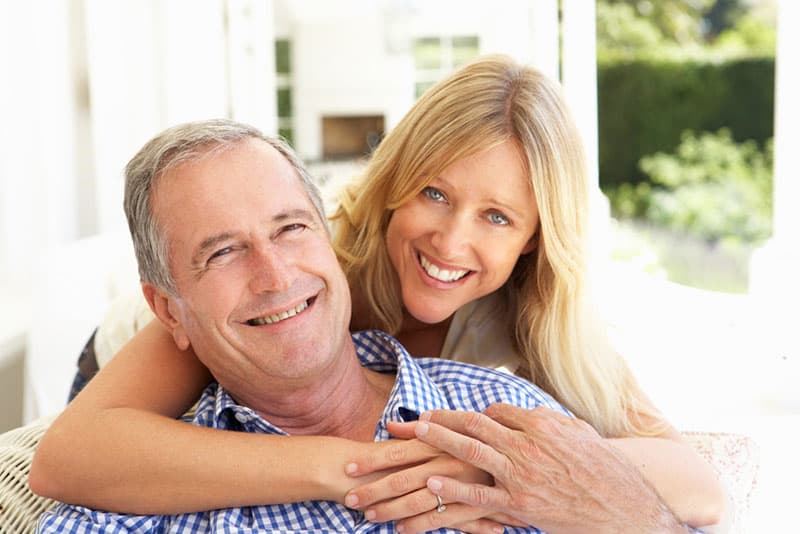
x,y
260,292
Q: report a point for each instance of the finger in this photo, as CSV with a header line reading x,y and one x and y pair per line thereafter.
x,y
480,526
540,419
401,430
473,424
392,486
413,504
454,514
493,498
505,519
471,450
509,416
390,454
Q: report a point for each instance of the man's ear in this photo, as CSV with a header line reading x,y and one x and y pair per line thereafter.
x,y
164,305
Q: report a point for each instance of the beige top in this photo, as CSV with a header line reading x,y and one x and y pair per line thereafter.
x,y
126,315
479,334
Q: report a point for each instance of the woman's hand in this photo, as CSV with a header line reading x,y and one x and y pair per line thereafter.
x,y
550,470
401,493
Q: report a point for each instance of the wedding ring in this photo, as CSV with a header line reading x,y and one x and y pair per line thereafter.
x,y
440,507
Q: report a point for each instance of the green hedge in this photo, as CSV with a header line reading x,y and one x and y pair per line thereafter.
x,y
645,105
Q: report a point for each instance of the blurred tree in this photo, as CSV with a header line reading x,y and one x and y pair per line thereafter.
x,y
752,31
678,21
622,31
723,15
639,28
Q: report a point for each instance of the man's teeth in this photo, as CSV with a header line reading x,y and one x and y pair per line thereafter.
x,y
278,317
443,275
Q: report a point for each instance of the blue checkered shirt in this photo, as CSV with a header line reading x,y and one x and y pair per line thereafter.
x,y
422,384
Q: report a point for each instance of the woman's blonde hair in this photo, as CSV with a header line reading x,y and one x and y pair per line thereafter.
x,y
484,104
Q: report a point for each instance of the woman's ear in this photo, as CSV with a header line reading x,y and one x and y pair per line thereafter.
x,y
530,246
166,308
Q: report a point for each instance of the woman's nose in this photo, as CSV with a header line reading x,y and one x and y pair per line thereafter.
x,y
452,236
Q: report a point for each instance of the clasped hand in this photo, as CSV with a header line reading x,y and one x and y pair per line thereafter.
x,y
403,494
508,465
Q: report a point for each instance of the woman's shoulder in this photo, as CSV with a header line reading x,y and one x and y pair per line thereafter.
x,y
479,334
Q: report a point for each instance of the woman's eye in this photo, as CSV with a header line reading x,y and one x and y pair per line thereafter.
x,y
499,219
434,194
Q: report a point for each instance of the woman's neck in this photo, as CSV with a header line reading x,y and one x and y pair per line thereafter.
x,y
423,339
420,339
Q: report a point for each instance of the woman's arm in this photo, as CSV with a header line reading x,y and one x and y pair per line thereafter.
x,y
683,479
692,493
118,447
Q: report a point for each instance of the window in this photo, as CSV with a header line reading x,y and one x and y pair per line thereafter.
x,y
283,70
435,57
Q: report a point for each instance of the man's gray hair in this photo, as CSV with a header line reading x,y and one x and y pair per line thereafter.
x,y
172,147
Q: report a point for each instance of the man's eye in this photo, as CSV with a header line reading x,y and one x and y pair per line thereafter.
x,y
221,252
434,194
499,219
293,227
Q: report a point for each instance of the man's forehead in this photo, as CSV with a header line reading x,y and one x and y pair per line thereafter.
x,y
248,178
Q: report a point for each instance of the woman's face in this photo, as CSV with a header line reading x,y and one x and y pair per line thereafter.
x,y
460,238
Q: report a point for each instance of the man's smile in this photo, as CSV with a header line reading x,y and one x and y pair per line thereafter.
x,y
283,315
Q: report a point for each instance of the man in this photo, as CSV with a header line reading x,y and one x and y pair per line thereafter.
x,y
253,284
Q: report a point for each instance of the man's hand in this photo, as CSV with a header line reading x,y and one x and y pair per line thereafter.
x,y
404,466
550,470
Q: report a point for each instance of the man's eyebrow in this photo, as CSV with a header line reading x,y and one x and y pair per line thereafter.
x,y
209,243
296,213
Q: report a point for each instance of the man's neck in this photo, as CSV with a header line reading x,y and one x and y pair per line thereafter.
x,y
346,401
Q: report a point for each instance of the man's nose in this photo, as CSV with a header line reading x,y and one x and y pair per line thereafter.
x,y
270,271
452,236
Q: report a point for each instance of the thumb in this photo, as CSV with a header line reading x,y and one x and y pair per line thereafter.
x,y
401,430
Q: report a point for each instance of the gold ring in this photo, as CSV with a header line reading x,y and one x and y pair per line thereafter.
x,y
440,507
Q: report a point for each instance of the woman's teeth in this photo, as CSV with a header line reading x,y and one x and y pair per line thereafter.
x,y
443,275
278,317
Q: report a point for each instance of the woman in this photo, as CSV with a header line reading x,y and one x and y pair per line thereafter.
x,y
464,240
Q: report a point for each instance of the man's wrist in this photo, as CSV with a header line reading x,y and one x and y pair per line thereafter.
x,y
667,522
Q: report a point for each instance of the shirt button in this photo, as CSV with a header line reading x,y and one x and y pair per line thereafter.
x,y
242,418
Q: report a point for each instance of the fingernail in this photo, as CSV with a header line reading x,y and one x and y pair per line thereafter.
x,y
434,484
351,469
400,528
498,530
421,430
369,515
351,500
426,416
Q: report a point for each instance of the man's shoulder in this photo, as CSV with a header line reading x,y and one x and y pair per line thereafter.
x,y
468,383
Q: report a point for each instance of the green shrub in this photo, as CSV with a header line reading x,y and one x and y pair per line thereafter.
x,y
645,104
711,187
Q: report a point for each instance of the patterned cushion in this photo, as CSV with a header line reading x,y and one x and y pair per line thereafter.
x,y
734,458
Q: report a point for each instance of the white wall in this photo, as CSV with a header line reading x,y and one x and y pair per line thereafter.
x,y
37,139
341,65
356,57
85,84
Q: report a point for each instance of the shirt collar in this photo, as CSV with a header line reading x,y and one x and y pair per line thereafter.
x,y
413,392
